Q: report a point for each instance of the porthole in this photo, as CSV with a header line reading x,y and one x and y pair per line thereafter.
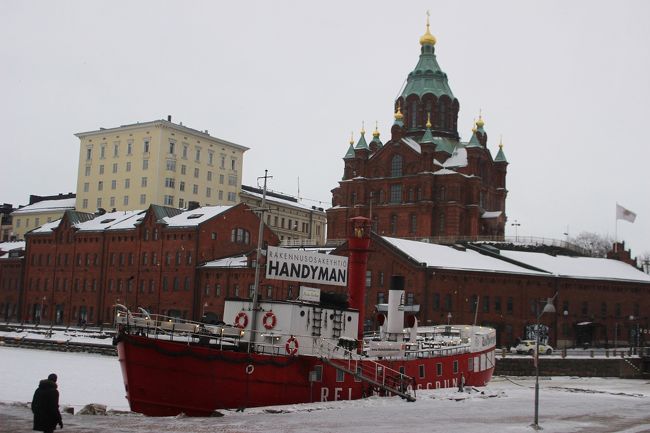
x,y
302,313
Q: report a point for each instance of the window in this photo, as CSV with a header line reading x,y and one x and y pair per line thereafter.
x,y
102,151
448,303
455,366
127,183
143,198
436,301
87,172
168,200
112,202
115,167
233,164
410,299
183,169
240,236
116,147
209,176
232,180
143,182
396,193
186,286
101,169
128,166
145,145
86,186
381,298
89,154
99,202
126,200
181,202
439,368
368,278
221,178
486,304
340,376
100,185
184,155
195,189
232,196
129,147
497,304
393,224
84,204
509,305
208,192
198,155
145,164
113,184
441,224
181,186
396,166
172,146
220,195
170,182
196,172
210,157
414,223
441,118
171,165
223,162
421,370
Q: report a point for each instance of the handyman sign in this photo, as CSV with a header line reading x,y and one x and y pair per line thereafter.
x,y
305,266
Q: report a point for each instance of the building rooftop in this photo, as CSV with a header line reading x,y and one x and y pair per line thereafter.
x,y
46,206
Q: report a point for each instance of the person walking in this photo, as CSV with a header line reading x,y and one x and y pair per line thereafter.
x,y
45,405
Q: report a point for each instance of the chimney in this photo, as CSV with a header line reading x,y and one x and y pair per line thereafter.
x,y
191,205
169,117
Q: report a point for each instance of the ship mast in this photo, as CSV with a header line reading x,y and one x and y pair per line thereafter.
x,y
256,289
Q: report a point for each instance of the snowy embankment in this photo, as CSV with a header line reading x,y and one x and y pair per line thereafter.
x,y
506,405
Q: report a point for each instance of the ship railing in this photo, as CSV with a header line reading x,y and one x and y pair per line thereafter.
x,y
161,326
436,350
363,368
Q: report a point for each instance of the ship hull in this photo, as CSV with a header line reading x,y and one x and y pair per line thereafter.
x,y
166,378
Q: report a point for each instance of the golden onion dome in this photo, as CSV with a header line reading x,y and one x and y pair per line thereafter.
x,y
429,120
375,133
352,137
427,38
480,122
398,113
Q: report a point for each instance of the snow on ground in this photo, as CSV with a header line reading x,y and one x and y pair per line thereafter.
x,y
566,404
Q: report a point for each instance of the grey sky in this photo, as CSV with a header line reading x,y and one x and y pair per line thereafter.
x,y
567,84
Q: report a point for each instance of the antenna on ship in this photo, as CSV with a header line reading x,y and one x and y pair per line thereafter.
x,y
256,289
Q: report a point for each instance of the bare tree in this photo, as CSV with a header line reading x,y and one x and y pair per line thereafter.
x,y
598,245
643,261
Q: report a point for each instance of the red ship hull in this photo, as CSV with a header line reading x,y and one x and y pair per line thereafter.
x,y
165,378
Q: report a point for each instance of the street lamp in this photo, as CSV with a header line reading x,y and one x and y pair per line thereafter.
x,y
204,307
516,226
548,308
448,318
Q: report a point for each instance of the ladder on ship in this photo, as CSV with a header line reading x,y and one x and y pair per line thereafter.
x,y
373,373
317,321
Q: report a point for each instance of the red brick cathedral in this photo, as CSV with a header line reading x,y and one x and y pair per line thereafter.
x,y
425,181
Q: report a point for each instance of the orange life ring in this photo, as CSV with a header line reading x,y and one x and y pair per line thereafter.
x,y
241,320
269,321
291,346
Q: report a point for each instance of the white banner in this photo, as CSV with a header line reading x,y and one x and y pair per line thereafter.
x,y
305,266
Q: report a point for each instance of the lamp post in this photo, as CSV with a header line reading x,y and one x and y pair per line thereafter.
x,y
203,311
566,315
548,308
516,226
41,316
449,318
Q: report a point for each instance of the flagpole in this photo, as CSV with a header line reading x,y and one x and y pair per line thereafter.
x,y
616,229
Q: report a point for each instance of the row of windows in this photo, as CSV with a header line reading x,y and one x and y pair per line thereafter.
x,y
37,222
170,200
115,166
287,223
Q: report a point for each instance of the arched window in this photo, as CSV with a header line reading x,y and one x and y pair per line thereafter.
x,y
413,112
441,224
396,166
441,118
393,224
396,193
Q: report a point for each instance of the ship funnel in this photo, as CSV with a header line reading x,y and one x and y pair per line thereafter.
x,y
396,305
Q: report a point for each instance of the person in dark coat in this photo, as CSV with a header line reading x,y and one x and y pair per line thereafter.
x,y
45,405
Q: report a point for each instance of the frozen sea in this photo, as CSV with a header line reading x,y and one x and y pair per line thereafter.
x,y
567,404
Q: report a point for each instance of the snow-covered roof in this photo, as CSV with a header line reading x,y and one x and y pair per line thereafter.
x,y
579,267
228,262
457,159
491,214
47,206
274,199
5,247
195,217
443,256
47,227
110,221
412,144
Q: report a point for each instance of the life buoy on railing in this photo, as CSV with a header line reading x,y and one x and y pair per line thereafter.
x,y
241,320
291,346
250,368
269,320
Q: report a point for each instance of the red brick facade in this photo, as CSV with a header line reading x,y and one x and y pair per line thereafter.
x,y
77,276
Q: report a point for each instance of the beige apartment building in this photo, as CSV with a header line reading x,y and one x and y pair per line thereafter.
x,y
295,223
34,215
158,162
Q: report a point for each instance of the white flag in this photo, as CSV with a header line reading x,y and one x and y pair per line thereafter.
x,y
624,214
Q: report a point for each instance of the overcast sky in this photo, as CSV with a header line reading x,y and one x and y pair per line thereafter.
x,y
567,85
